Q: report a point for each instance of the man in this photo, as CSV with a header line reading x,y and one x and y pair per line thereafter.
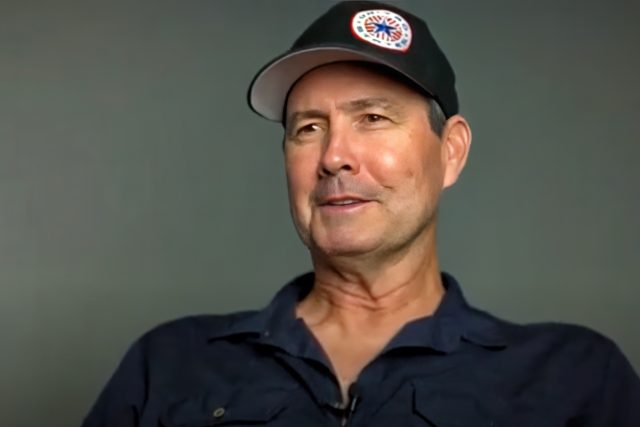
x,y
376,335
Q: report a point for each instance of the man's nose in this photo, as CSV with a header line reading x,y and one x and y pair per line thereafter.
x,y
338,154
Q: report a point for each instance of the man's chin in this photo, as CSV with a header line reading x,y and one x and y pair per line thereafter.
x,y
344,247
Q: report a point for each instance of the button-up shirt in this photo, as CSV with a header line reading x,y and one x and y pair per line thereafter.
x,y
460,367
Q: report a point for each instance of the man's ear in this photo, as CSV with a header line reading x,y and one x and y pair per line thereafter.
x,y
456,142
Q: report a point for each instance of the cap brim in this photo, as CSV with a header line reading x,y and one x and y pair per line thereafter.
x,y
269,89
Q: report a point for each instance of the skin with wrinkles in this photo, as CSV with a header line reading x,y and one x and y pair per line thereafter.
x,y
365,173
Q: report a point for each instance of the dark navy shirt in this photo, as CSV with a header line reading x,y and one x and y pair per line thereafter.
x,y
460,367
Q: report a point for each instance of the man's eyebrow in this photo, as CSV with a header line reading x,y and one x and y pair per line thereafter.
x,y
364,103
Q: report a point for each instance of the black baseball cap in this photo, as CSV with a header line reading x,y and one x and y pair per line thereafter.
x,y
367,31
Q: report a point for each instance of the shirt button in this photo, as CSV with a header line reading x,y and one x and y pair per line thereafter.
x,y
218,412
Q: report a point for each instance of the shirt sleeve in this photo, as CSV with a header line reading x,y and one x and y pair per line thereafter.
x,y
617,402
120,402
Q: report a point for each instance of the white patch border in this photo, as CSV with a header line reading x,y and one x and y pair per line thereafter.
x,y
357,28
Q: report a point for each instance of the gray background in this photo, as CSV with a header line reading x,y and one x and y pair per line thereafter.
x,y
136,186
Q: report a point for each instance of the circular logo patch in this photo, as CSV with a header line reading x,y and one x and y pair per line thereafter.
x,y
382,28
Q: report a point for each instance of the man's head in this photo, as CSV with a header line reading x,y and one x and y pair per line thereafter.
x,y
364,167
369,144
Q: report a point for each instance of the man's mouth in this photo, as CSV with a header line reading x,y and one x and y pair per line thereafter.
x,y
344,202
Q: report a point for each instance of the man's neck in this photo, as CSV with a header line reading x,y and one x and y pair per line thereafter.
x,y
354,312
391,293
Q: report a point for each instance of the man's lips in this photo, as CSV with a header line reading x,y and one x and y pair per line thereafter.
x,y
344,192
342,201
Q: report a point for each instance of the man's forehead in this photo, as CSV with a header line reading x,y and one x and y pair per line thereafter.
x,y
361,85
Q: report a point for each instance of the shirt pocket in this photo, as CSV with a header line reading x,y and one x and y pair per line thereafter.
x,y
441,405
227,408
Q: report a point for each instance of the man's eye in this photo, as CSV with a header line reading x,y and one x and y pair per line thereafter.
x,y
310,128
374,118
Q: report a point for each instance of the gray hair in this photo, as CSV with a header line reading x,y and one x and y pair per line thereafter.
x,y
437,119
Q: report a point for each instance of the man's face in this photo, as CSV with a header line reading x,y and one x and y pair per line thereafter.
x,y
364,168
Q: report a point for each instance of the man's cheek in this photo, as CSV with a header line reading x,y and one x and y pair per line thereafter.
x,y
382,166
391,172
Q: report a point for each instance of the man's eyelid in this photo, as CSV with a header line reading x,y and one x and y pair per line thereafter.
x,y
378,115
311,126
298,124
306,123
301,124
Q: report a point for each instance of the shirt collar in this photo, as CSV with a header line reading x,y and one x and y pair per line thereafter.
x,y
454,321
275,320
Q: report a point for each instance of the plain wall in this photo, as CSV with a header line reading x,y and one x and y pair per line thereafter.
x,y
136,186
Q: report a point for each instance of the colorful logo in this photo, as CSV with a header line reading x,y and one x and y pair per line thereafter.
x,y
382,28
